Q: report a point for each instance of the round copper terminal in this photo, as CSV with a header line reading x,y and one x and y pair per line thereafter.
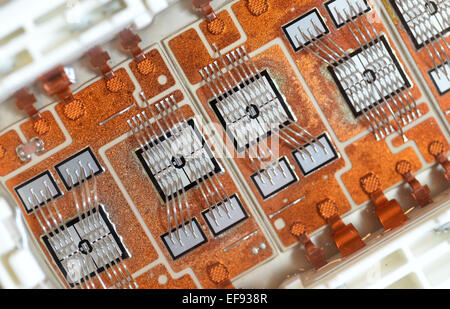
x,y
74,110
146,67
370,183
298,229
257,7
216,26
114,84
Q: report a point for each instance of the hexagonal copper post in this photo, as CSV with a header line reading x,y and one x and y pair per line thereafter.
x,y
389,212
419,193
313,255
437,149
219,274
345,236
205,7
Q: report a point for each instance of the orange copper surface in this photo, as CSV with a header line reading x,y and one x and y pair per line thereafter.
x,y
52,137
222,39
99,105
159,278
298,229
148,78
148,203
436,147
327,208
9,161
370,183
41,126
218,272
146,66
370,157
403,167
190,53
